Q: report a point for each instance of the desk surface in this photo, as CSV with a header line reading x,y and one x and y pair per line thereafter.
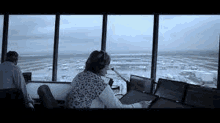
x,y
134,96
165,103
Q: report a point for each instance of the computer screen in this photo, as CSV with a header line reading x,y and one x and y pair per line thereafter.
x,y
27,76
140,83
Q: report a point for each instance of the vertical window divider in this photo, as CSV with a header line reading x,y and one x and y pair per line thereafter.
x,y
55,50
5,37
104,31
154,50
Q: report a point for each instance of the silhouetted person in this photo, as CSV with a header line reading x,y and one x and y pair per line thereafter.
x,y
11,77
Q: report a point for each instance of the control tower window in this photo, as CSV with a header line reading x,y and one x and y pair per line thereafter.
x,y
1,32
188,49
32,36
79,35
129,43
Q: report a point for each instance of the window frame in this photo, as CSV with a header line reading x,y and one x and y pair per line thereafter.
x,y
103,45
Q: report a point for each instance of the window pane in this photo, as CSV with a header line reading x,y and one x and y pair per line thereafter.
x,y
1,32
79,36
32,37
129,43
188,49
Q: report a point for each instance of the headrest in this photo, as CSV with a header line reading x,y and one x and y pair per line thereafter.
x,y
46,96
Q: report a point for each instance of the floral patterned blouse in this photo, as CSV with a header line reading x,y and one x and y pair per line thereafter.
x,y
87,87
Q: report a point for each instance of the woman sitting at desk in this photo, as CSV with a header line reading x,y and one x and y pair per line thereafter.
x,y
89,89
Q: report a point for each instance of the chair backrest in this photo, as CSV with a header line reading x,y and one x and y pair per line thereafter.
x,y
46,97
198,96
170,89
139,83
11,98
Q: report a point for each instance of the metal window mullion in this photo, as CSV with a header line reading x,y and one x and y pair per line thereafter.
x,y
104,31
154,50
5,37
55,49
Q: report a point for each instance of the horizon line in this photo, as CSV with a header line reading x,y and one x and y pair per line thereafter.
x,y
76,53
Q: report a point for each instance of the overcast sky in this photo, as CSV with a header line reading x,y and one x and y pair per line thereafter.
x,y
82,33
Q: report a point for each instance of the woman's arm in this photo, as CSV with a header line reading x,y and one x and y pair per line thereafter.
x,y
110,101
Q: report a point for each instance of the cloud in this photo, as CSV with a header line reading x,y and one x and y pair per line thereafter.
x,y
197,33
75,40
30,37
123,32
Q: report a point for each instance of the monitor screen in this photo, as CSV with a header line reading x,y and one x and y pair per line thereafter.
x,y
140,83
27,76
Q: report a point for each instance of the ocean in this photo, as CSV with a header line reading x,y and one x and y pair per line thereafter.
x,y
198,67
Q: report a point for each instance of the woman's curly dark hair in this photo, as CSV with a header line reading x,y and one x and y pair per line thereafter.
x,y
97,61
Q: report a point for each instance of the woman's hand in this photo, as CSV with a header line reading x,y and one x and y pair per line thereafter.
x,y
30,105
31,99
142,104
145,104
